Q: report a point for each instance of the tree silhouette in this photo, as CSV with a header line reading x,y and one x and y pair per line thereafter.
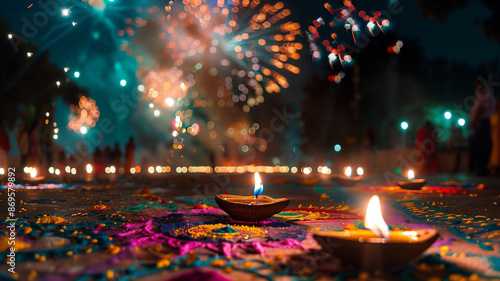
x,y
28,84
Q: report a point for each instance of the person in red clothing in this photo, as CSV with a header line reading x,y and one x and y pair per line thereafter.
x,y
4,147
427,148
129,154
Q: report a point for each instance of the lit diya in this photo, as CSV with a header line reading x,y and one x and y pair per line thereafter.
x,y
412,183
377,248
251,208
33,176
347,179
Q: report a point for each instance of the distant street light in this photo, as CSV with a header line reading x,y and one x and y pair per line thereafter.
x,y
447,115
404,126
461,122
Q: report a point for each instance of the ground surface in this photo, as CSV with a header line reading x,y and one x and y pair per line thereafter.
x,y
105,230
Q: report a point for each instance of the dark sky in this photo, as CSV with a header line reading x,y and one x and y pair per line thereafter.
x,y
92,47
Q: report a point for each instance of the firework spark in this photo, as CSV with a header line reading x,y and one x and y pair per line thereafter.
x,y
86,114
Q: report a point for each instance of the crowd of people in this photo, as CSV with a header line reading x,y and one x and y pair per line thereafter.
x,y
36,151
483,142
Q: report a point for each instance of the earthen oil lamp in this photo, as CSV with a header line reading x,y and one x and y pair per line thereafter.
x,y
377,247
347,179
412,183
251,208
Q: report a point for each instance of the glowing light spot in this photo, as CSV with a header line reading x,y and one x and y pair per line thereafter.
x,y
348,171
123,82
360,171
404,125
447,115
156,113
169,101
337,148
33,173
307,170
461,122
76,74
83,130
411,175
65,12
89,168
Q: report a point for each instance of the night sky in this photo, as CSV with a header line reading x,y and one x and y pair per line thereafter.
x,y
92,48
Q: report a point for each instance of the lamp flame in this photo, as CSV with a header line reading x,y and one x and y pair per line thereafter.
x,y
184,88
348,171
360,171
33,173
89,168
259,186
374,220
411,175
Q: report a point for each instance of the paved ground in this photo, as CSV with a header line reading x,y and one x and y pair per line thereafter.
x,y
104,230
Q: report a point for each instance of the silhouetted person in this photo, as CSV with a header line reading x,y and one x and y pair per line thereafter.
x,y
4,148
427,148
495,138
107,156
479,123
23,142
129,154
455,144
212,158
117,155
97,158
34,145
369,147
61,159
48,148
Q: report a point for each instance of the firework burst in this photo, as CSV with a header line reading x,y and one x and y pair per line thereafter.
x,y
246,46
86,114
348,19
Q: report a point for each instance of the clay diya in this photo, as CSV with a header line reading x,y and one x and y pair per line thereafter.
x,y
412,183
347,179
251,208
377,248
33,177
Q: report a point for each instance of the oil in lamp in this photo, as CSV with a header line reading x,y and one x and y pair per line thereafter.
x,y
376,247
412,183
251,208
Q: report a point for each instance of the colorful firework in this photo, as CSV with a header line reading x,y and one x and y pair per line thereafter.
x,y
353,22
166,88
247,47
86,115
